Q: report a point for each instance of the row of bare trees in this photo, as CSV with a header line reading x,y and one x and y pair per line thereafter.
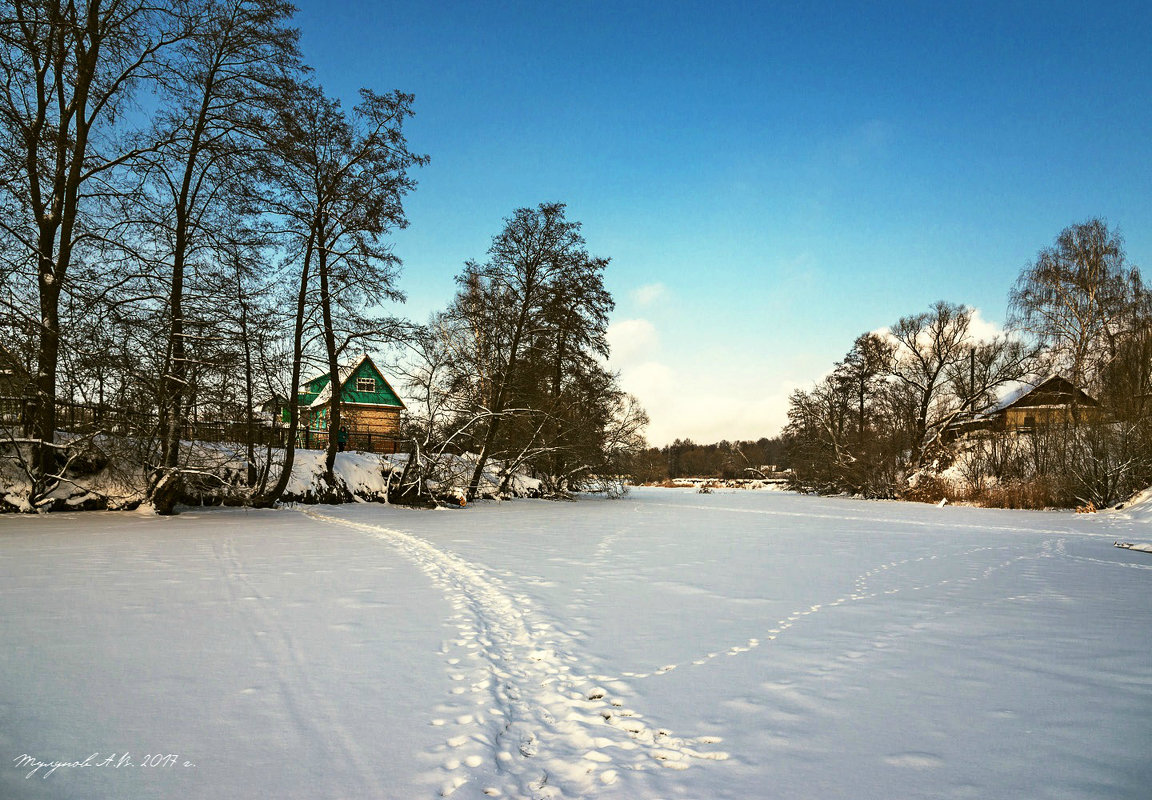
x,y
184,212
190,225
886,415
724,460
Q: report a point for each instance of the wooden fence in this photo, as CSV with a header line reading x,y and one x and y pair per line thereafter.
x,y
18,413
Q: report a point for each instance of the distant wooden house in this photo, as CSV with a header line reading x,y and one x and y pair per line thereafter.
x,y
1049,402
369,407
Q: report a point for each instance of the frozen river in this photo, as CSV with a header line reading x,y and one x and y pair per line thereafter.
x,y
667,645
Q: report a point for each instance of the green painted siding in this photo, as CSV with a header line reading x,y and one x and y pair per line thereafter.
x,y
383,396
312,390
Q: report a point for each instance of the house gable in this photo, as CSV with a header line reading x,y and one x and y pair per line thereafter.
x,y
1025,407
381,394
352,387
1055,392
1050,402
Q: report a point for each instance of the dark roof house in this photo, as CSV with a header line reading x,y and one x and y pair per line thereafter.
x,y
1028,406
1050,401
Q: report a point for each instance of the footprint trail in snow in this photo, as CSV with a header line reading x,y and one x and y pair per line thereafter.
x,y
537,727
862,591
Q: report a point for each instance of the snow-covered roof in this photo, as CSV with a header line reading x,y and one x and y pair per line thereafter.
x,y
1011,396
1014,394
324,396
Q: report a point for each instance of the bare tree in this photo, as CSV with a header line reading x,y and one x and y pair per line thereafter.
x,y
884,409
226,81
928,347
1073,297
342,183
69,69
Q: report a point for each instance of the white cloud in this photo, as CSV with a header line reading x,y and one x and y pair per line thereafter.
x,y
632,341
679,408
720,394
705,400
979,330
983,329
652,380
649,293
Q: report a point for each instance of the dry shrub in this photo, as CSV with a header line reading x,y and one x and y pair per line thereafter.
x,y
1034,493
928,489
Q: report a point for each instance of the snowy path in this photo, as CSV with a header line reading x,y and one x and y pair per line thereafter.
x,y
541,727
670,645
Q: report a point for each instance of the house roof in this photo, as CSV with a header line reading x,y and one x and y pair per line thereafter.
x,y
1055,390
1030,395
345,370
318,390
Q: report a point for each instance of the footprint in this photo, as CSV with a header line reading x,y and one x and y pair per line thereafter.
x,y
447,788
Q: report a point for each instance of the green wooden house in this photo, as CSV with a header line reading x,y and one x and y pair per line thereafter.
x,y
369,407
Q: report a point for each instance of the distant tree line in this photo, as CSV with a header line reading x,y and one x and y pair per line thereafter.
x,y
883,423
724,460
190,225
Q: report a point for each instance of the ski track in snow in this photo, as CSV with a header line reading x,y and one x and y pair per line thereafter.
x,y
544,730
316,719
536,727
1061,551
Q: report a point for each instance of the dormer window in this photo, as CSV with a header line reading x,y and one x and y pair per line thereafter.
x,y
366,385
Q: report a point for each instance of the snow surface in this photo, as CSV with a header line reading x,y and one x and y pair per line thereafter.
x,y
667,645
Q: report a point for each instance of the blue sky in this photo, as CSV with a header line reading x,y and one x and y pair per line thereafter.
x,y
769,180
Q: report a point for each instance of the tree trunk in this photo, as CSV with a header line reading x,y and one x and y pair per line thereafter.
x,y
249,418
273,496
175,381
333,368
558,462
48,356
498,402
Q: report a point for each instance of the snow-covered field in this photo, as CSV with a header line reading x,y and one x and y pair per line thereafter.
x,y
671,644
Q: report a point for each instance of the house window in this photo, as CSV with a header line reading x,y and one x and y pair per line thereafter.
x,y
366,385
